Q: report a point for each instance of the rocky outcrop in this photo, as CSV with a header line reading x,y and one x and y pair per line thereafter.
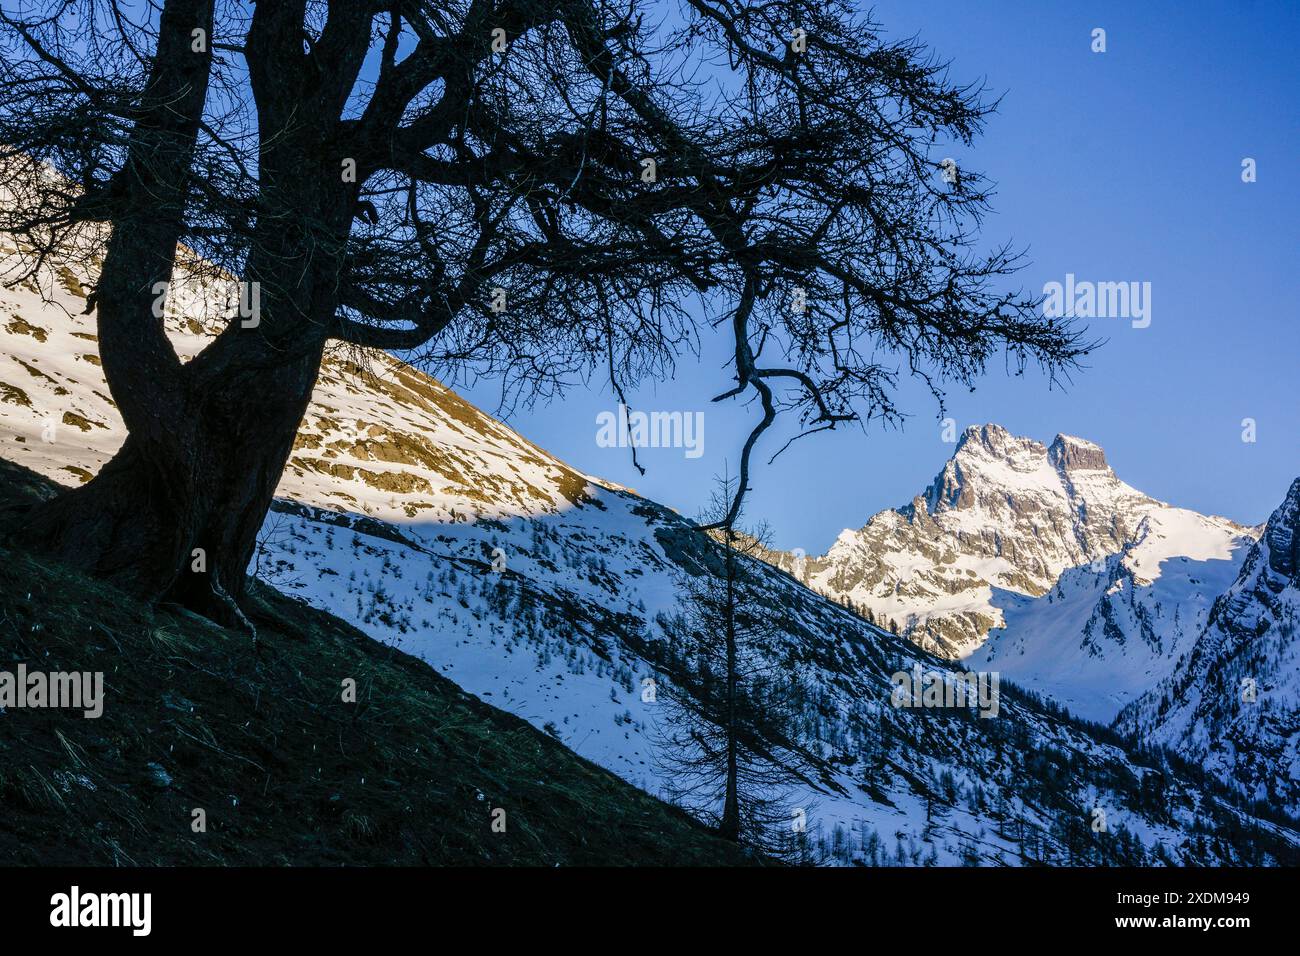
x,y
1283,536
1074,454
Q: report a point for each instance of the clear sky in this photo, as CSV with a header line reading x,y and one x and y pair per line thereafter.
x,y
1116,166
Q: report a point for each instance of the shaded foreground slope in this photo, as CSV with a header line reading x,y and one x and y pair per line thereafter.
x,y
261,740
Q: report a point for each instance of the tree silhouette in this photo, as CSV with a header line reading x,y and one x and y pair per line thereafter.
x,y
727,731
536,189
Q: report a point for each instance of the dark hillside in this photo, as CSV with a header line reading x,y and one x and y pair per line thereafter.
x,y
260,739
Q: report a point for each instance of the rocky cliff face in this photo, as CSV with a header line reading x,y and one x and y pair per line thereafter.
x,y
1282,537
1232,705
1074,454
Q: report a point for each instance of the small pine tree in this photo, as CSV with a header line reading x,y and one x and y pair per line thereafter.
x,y
729,729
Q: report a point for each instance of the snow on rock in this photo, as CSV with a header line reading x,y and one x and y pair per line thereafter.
x,y
1038,561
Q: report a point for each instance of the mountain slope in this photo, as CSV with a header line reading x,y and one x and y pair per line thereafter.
x,y
262,742
1107,632
432,527
1233,704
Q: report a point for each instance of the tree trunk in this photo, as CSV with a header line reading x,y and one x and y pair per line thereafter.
x,y
248,433
730,828
176,513
180,521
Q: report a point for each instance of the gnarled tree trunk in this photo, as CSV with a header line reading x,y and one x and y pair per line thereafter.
x,y
180,520
175,514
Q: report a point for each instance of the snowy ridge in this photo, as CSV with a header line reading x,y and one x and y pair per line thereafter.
x,y
1233,703
1107,632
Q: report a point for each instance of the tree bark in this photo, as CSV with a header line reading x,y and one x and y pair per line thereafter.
x,y
180,521
176,513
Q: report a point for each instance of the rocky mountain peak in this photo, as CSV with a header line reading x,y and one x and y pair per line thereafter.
x,y
1003,520
1068,453
984,456
994,441
993,469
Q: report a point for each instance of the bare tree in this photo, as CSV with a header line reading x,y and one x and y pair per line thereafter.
x,y
538,189
727,731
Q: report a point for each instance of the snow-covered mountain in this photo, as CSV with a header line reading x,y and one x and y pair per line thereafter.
x,y
435,527
1233,704
1038,561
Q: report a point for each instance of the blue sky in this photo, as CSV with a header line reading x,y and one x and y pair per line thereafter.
x,y
1115,166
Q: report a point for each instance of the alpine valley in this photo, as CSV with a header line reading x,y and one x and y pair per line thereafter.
x,y
435,528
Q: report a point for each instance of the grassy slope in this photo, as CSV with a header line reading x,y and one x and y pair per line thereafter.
x,y
287,772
